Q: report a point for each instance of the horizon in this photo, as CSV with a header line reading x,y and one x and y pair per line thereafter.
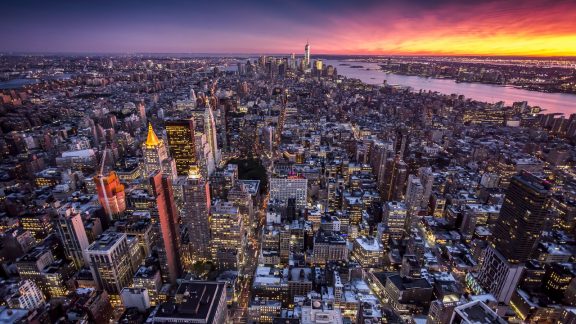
x,y
224,54
533,28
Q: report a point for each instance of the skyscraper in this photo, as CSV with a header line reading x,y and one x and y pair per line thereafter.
x,y
196,218
522,217
394,216
181,143
515,235
227,235
166,219
110,194
109,261
307,55
70,229
156,155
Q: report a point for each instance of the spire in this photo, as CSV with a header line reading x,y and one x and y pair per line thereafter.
x,y
152,139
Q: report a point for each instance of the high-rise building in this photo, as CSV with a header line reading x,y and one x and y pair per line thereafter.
x,y
165,219
109,261
394,216
290,187
414,194
241,198
181,143
427,179
227,235
516,235
205,124
307,55
522,217
72,233
196,214
156,155
110,194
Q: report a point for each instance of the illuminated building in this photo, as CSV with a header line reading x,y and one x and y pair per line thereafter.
x,y
306,61
408,295
38,224
181,143
414,196
109,262
291,187
329,246
394,218
156,155
317,312
148,277
165,220
556,279
240,197
47,178
264,310
70,229
299,282
200,302
471,312
196,215
58,278
110,194
368,252
516,234
227,235
205,124
29,296
522,217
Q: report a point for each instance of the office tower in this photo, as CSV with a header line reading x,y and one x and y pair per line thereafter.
x,y
394,178
195,302
156,155
181,143
394,217
70,229
205,124
318,67
109,261
227,235
414,194
204,157
290,187
111,194
195,216
427,179
165,219
242,199
522,217
307,55
515,235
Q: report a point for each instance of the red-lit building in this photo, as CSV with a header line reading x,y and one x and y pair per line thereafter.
x,y
111,194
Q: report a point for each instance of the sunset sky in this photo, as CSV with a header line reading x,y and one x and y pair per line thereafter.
x,y
542,28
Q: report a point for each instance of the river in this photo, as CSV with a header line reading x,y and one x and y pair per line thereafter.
x,y
551,102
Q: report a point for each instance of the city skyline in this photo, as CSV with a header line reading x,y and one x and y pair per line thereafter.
x,y
485,28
